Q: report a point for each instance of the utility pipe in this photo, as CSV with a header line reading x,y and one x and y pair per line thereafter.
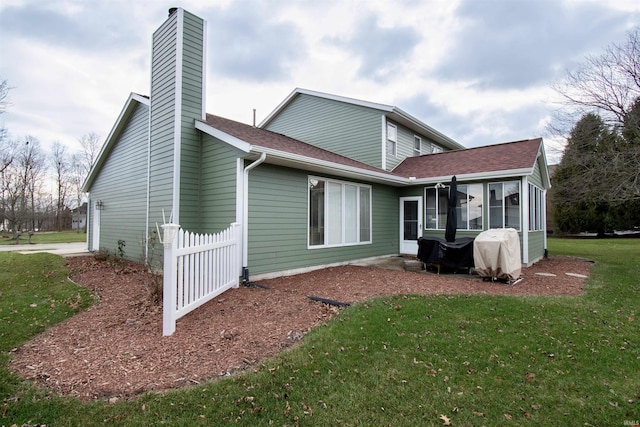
x,y
245,216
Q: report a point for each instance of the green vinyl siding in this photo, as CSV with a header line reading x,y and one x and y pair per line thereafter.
x,y
351,130
167,67
536,238
121,185
536,245
536,177
405,146
218,181
278,218
162,121
190,150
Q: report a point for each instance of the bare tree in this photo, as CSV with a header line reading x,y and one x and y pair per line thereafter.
x,y
5,151
32,162
607,84
90,143
4,96
61,168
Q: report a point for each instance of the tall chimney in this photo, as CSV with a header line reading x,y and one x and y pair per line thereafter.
x,y
177,100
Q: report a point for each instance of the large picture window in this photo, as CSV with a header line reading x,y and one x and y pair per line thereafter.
x,y
339,213
504,205
468,208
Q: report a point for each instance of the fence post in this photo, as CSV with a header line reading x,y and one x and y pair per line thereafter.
x,y
170,244
237,265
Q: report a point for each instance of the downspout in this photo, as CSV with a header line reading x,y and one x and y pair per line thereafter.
x,y
245,217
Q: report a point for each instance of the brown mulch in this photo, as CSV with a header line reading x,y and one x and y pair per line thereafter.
x,y
115,349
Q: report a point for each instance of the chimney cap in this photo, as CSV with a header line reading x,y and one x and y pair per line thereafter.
x,y
172,10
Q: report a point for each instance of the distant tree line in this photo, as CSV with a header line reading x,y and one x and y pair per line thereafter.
x,y
27,203
596,186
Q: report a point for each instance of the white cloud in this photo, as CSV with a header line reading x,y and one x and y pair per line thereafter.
x,y
478,71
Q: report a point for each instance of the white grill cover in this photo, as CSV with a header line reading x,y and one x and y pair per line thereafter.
x,y
496,253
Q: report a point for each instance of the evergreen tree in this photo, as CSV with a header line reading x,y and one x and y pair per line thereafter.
x,y
596,184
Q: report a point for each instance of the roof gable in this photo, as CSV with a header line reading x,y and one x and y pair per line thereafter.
x,y
129,106
391,112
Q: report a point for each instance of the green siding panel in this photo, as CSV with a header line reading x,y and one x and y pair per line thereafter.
x,y
163,104
218,180
346,129
536,245
536,177
278,223
405,145
191,104
165,107
121,184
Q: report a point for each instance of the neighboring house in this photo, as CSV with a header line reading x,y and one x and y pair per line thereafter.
x,y
79,217
324,180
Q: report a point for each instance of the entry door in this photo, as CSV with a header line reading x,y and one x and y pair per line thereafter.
x,y
95,228
410,224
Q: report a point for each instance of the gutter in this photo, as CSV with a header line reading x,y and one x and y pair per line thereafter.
x,y
245,216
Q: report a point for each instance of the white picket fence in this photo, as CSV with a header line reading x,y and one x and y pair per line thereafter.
x,y
197,268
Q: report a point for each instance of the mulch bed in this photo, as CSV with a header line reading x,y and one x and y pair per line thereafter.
x,y
116,350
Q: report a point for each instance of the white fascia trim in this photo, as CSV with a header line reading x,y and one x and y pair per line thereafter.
x,y
115,131
297,91
278,108
337,167
347,100
204,70
481,176
177,122
542,152
141,99
384,142
224,137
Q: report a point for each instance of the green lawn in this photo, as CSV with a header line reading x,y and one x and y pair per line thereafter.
x,y
46,237
401,361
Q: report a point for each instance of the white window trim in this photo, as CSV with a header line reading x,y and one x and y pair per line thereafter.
x,y
343,217
394,140
520,201
418,151
441,227
535,208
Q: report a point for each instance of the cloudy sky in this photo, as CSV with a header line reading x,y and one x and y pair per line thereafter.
x,y
477,70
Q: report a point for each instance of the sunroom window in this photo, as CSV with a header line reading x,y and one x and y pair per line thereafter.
x,y
536,199
339,213
469,213
504,205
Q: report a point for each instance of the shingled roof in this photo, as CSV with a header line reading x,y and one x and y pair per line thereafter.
x,y
519,157
261,138
511,158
